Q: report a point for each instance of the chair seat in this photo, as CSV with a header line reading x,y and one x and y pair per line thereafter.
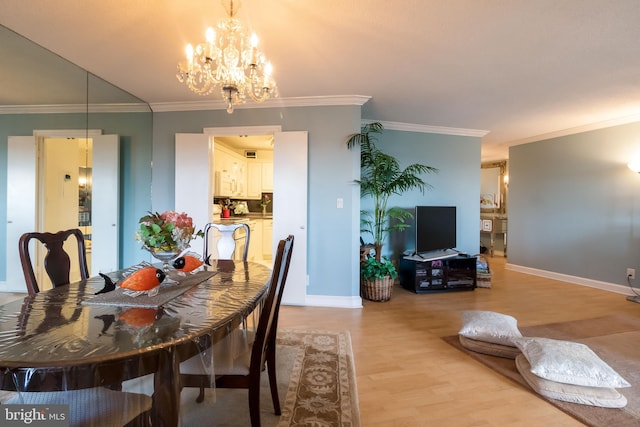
x,y
231,356
96,406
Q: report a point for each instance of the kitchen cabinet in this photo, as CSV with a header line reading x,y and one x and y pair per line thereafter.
x,y
230,173
267,177
254,180
267,237
255,242
259,179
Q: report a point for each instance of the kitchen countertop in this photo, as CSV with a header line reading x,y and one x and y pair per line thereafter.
x,y
243,218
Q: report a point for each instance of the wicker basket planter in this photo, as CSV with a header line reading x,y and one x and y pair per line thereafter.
x,y
377,290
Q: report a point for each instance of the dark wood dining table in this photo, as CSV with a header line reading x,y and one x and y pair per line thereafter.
x,y
58,340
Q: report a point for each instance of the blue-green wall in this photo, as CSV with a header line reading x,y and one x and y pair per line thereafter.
x,y
574,206
333,234
457,182
135,130
147,174
332,248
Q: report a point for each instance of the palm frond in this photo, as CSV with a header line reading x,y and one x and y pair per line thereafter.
x,y
381,177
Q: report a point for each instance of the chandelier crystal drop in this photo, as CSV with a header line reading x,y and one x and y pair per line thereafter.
x,y
229,61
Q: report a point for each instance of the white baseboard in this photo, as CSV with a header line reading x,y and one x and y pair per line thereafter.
x,y
333,301
582,281
12,287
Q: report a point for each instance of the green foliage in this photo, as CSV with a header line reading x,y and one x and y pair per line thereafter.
x,y
167,231
380,178
373,268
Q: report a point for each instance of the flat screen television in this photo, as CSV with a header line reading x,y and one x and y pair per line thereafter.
x,y
435,228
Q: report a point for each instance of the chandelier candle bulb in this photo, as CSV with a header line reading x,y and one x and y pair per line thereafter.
x,y
189,52
210,35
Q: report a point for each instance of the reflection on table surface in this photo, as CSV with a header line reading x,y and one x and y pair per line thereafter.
x,y
54,328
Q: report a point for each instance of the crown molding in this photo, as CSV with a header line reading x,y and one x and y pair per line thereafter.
x,y
74,108
579,129
306,101
410,127
64,133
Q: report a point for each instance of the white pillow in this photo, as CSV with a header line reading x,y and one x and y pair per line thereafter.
x,y
606,397
568,362
489,326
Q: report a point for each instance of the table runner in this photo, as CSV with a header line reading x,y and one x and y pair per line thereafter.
x,y
167,292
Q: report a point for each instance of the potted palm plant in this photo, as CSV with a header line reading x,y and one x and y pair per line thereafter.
x,y
381,177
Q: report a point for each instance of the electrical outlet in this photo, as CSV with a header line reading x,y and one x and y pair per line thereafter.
x,y
631,273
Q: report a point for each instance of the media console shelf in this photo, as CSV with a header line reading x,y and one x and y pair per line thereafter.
x,y
440,275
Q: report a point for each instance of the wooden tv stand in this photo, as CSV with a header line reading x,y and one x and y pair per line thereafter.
x,y
440,275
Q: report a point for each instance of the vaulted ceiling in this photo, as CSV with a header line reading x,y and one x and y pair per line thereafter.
x,y
517,69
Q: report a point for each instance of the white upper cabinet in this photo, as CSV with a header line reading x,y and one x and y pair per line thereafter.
x,y
259,178
267,177
254,180
230,173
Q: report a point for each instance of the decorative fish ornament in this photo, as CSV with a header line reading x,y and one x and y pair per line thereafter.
x,y
108,284
145,279
187,263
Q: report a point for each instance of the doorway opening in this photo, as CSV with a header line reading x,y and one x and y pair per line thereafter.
x,y
243,180
64,189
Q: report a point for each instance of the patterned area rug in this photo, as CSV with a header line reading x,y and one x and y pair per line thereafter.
x,y
316,383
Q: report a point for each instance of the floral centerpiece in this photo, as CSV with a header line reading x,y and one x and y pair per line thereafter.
x,y
166,235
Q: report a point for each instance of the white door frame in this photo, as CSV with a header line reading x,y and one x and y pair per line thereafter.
x,y
29,222
296,290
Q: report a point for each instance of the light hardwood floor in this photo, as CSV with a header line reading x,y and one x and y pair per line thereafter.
x,y
408,376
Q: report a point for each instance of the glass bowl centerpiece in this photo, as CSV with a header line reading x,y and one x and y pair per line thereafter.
x,y
166,235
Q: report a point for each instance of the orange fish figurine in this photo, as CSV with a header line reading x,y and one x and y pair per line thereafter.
x,y
187,263
143,279
138,316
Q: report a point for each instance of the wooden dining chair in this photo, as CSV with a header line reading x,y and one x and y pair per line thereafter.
x,y
245,369
226,243
57,263
97,406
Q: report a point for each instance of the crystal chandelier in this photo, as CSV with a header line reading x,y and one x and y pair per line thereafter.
x,y
229,59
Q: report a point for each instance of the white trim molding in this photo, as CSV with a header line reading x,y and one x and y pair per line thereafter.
x,y
75,108
579,129
242,130
582,281
67,133
307,101
410,127
333,301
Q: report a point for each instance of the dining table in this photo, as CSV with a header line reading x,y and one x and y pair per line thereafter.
x,y
70,337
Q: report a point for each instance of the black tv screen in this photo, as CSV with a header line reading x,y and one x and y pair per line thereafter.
x,y
435,228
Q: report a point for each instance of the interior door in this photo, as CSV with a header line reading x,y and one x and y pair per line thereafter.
x,y
193,180
22,206
290,208
290,191
105,205
21,210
